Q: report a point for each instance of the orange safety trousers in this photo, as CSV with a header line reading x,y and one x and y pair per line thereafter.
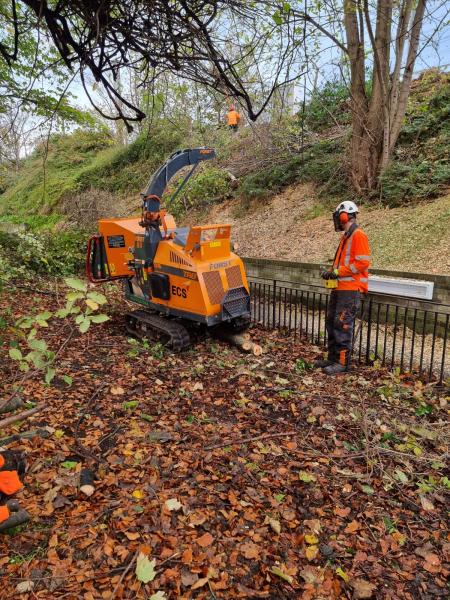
x,y
352,261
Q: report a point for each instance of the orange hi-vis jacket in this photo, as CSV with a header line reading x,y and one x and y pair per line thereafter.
x,y
352,261
233,117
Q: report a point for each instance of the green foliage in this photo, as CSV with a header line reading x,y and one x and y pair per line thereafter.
x,y
126,169
403,182
37,79
421,165
321,164
52,171
31,352
328,107
25,254
210,184
301,365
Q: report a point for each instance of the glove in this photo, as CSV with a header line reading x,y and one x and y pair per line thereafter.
x,y
334,274
329,274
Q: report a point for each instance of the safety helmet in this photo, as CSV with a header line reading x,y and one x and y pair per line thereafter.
x,y
344,211
347,206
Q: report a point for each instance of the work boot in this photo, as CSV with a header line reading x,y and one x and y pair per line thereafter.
x,y
12,515
335,369
321,363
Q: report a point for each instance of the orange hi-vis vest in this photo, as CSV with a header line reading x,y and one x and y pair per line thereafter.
x,y
353,260
233,117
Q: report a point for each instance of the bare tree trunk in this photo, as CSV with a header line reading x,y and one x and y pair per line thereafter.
x,y
377,120
355,43
399,110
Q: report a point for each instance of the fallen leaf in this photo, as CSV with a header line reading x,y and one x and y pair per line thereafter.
x,y
352,527
342,512
311,539
24,586
426,504
205,540
188,578
173,504
132,535
250,550
117,391
309,574
145,568
277,571
362,589
432,563
306,477
432,558
197,386
200,583
138,494
186,557
342,574
311,552
158,596
274,524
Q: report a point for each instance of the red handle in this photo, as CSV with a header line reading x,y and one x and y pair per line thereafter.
x,y
96,239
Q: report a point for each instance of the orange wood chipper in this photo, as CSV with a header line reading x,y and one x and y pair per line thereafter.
x,y
178,275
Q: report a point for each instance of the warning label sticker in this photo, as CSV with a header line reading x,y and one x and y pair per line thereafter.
x,y
116,241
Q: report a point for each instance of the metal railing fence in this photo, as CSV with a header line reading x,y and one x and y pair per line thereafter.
x,y
394,334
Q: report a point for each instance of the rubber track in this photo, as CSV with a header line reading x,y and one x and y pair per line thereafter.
x,y
178,335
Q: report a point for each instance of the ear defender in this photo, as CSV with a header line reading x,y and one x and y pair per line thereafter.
x,y
343,218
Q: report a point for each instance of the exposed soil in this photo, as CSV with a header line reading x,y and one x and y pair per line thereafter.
x,y
412,238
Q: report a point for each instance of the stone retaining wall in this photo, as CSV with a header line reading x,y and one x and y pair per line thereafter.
x,y
308,274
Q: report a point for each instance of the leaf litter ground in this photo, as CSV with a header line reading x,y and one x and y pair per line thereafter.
x,y
225,475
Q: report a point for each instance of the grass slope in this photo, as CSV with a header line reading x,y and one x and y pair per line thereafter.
x,y
51,172
296,225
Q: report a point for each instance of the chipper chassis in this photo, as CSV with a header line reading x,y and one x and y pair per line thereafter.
x,y
179,277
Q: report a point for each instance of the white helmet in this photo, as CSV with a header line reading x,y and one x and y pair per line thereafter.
x,y
348,207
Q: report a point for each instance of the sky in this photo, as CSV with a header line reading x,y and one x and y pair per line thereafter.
x,y
433,54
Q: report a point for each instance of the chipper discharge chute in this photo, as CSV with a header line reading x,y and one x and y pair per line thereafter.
x,y
178,275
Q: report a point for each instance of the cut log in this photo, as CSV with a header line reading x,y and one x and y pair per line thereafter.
x,y
15,519
11,405
23,415
26,435
87,482
240,340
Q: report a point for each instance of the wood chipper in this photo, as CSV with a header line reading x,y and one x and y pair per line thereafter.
x,y
178,275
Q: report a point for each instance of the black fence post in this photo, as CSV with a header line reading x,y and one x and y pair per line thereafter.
x,y
369,330
274,308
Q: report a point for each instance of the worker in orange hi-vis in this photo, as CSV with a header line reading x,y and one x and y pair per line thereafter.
x,y
233,118
12,467
348,278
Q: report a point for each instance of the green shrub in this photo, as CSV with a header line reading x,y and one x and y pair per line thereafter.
x,y
208,185
417,180
127,169
328,107
52,171
321,164
24,254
